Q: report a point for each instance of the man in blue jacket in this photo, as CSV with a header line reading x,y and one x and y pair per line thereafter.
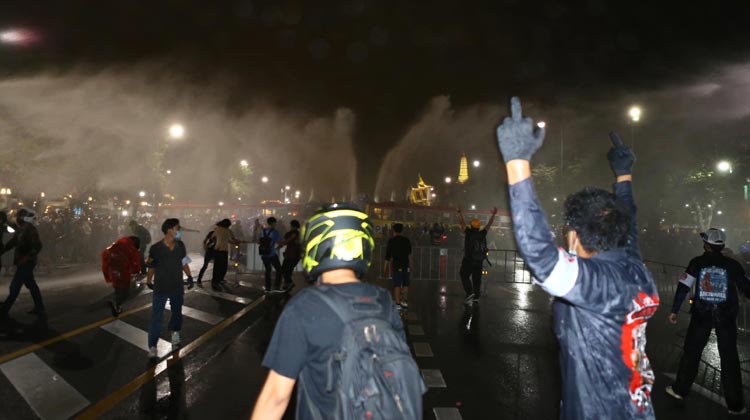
x,y
604,293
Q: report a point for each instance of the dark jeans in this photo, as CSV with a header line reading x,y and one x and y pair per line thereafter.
x,y
471,276
696,339
287,268
121,295
269,262
24,276
221,263
207,258
157,314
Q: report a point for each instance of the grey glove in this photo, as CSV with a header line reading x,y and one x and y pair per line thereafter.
x,y
621,158
517,137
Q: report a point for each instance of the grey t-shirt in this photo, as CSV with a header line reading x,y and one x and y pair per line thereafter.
x,y
167,266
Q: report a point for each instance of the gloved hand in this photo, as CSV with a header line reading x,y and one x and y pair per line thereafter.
x,y
517,137
621,158
190,283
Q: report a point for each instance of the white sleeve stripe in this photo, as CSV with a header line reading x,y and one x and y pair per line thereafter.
x,y
563,277
688,281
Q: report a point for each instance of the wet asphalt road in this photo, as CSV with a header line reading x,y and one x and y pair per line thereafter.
x,y
497,360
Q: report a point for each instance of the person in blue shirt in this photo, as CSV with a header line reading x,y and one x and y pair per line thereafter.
x,y
269,238
604,295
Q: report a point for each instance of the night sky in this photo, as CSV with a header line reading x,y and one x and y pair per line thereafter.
x,y
385,60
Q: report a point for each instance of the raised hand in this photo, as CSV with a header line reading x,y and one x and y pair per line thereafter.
x,y
621,158
517,137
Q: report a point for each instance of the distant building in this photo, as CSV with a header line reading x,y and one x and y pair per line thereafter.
x,y
463,170
421,194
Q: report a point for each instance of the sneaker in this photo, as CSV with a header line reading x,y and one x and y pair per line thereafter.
x,y
152,353
404,303
113,308
738,412
672,393
175,338
469,298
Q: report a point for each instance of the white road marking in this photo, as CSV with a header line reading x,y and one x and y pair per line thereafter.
x,y
422,350
447,413
199,315
48,394
136,337
433,378
712,396
223,295
415,330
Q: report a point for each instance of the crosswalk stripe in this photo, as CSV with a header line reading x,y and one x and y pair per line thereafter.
x,y
447,413
227,296
416,330
136,337
206,317
48,395
423,350
433,378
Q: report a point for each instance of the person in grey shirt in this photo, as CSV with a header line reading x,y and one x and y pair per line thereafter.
x,y
167,261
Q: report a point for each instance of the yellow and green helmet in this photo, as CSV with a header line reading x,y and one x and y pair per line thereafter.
x,y
337,236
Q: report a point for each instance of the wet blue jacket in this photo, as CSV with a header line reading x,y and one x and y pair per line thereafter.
x,y
600,314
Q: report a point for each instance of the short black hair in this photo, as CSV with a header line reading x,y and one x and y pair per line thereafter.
x,y
294,223
225,223
599,220
169,224
271,220
136,241
398,227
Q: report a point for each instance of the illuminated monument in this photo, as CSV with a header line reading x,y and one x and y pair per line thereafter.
x,y
422,193
463,169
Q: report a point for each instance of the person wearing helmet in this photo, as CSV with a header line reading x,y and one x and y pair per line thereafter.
x,y
475,252
715,305
28,245
337,252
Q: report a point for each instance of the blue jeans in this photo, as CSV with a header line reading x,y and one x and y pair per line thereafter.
x,y
157,314
24,276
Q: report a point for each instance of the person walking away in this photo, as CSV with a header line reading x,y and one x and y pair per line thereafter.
x,y
224,240
120,262
342,341
167,261
27,246
716,278
475,252
209,251
267,250
3,231
292,253
144,237
604,294
398,265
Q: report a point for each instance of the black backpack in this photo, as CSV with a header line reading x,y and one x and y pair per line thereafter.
x,y
209,242
373,375
477,244
265,243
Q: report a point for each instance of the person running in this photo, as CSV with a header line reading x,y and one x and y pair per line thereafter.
x,y
716,278
144,237
120,262
269,237
292,253
475,252
398,265
209,251
224,240
27,246
314,344
604,293
167,261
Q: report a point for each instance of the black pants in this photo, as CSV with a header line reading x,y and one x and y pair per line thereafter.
x,y
207,258
696,339
471,276
221,262
287,268
24,276
269,262
122,294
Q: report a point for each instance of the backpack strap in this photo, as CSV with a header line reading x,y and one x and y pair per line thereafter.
x,y
341,306
305,395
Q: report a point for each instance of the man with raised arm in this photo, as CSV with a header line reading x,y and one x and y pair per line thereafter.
x,y
475,252
604,293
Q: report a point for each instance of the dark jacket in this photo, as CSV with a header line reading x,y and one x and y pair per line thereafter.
x,y
27,243
600,314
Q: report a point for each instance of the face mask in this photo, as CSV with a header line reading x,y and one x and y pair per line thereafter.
x,y
178,235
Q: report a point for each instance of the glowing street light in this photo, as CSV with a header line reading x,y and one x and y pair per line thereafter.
x,y
176,131
17,36
724,166
541,124
719,212
634,113
169,172
287,188
142,194
264,180
221,203
124,213
243,163
476,163
473,207
448,180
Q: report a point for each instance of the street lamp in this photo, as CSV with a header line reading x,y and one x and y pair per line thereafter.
x,y
176,131
264,180
448,180
17,36
724,166
243,163
635,115
287,188
142,194
476,163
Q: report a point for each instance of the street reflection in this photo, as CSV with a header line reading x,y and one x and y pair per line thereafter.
x,y
168,399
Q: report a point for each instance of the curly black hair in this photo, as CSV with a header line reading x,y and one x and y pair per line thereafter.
x,y
599,220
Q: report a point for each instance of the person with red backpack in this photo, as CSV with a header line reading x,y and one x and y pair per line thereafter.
x,y
341,342
120,262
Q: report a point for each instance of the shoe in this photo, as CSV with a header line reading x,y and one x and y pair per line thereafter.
x,y
152,353
672,393
113,308
404,303
738,413
37,311
216,288
175,338
469,298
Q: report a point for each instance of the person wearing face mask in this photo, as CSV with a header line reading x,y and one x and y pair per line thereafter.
x,y
27,246
604,293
